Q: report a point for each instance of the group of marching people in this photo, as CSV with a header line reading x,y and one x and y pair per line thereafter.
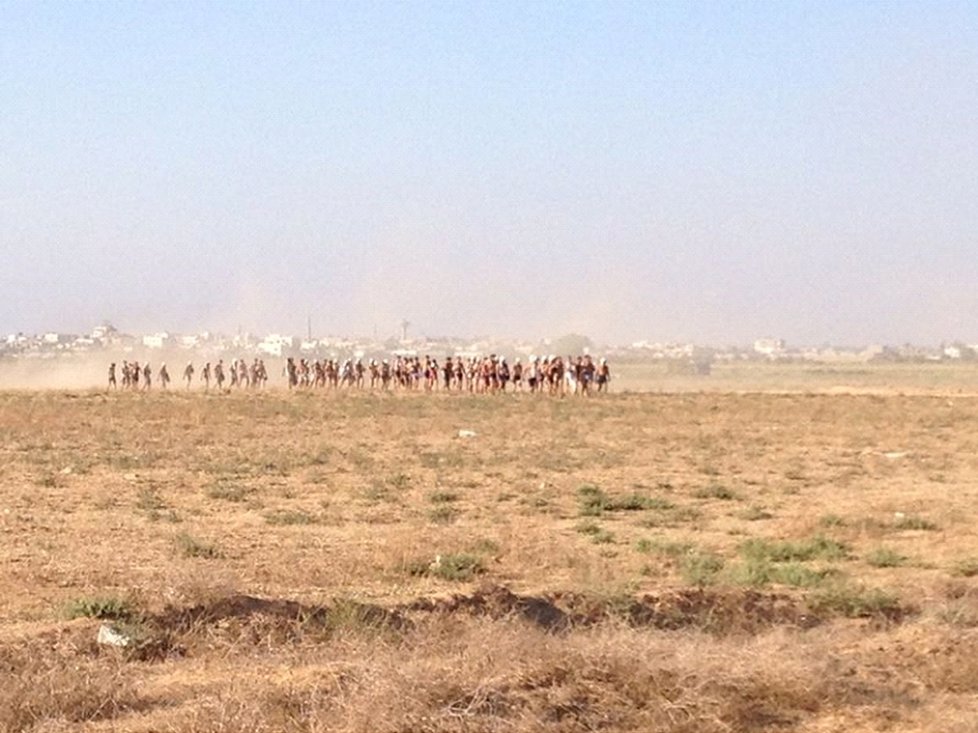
x,y
236,374
239,373
492,374
486,375
137,377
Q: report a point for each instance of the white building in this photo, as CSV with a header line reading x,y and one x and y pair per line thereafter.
x,y
771,348
275,345
106,332
156,340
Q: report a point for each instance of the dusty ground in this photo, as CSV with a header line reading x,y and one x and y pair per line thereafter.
x,y
313,562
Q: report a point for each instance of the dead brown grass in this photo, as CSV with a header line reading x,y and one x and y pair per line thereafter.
x,y
624,518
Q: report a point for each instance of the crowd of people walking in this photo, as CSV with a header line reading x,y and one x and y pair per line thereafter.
x,y
491,374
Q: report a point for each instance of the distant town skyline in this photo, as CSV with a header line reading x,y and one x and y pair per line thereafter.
x,y
711,173
106,336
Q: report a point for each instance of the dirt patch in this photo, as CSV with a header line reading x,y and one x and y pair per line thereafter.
x,y
241,606
719,611
177,631
498,602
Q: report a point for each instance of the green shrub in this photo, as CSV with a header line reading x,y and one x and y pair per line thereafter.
x,y
599,535
716,491
593,501
755,573
228,492
855,601
487,546
822,548
190,546
442,497
588,527
759,572
799,576
289,516
700,568
457,567
832,520
638,502
149,500
883,557
667,549
376,491
443,514
102,607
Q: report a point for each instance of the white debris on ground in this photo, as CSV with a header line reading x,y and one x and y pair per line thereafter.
x,y
467,433
894,454
109,636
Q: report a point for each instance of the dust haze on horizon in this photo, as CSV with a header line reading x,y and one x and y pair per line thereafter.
x,y
666,171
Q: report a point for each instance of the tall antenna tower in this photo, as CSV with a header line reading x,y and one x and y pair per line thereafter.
x,y
404,329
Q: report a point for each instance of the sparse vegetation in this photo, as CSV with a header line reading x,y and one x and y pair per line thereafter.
x,y
101,607
716,491
967,568
443,514
884,557
832,520
644,566
816,548
190,546
289,517
594,502
598,534
856,601
759,572
755,514
668,549
442,497
228,492
151,504
456,567
149,500
700,568
914,522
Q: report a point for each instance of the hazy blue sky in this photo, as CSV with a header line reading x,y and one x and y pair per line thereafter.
x,y
705,171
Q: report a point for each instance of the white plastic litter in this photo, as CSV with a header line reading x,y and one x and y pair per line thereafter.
x,y
109,636
467,433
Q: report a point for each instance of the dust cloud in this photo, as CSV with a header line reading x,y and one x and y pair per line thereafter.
x,y
89,372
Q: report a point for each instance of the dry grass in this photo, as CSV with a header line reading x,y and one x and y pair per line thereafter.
x,y
834,536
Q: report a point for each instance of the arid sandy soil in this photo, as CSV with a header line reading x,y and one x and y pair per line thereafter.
x,y
675,561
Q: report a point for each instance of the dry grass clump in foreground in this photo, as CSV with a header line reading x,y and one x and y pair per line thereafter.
x,y
457,673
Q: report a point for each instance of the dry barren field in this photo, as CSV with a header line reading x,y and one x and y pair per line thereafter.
x,y
641,562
